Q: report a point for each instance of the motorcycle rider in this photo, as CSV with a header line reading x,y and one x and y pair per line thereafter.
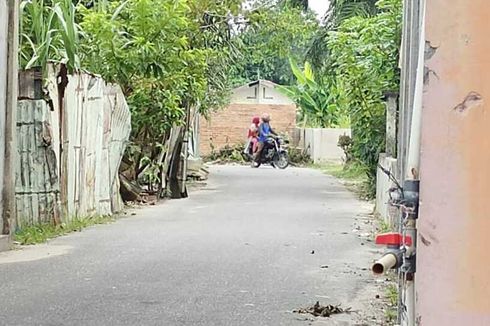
x,y
265,131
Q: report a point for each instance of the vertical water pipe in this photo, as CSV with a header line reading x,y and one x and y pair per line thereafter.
x,y
412,167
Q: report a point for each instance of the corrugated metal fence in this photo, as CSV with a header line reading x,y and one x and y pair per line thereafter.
x,y
70,148
36,181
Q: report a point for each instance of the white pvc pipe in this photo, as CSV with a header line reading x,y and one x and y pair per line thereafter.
x,y
413,158
384,264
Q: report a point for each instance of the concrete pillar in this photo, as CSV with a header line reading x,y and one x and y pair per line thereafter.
x,y
391,122
453,264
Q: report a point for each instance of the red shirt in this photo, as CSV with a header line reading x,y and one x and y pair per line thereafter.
x,y
253,131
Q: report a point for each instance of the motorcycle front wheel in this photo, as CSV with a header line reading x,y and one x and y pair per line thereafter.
x,y
281,160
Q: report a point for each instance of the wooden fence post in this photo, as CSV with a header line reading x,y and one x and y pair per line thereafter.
x,y
8,194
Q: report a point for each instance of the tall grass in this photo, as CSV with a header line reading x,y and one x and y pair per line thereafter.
x,y
49,32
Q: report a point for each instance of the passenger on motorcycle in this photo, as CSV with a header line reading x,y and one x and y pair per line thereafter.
x,y
253,133
265,131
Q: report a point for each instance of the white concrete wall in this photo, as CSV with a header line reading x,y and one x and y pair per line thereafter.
x,y
321,143
383,185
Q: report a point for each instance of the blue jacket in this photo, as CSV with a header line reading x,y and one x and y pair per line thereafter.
x,y
264,131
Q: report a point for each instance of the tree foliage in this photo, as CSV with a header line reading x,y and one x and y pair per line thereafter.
x,y
168,55
143,45
316,103
338,11
341,10
272,36
364,55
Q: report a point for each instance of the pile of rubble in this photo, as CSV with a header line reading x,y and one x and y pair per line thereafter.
x,y
197,170
319,310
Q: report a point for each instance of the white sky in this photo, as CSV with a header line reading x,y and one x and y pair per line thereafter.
x,y
319,6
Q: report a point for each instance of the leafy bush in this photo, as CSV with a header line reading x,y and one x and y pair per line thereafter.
x,y
170,57
299,157
345,142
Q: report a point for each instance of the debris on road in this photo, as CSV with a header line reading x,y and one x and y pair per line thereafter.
x,y
318,310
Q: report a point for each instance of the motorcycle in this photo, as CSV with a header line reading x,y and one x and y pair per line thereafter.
x,y
273,153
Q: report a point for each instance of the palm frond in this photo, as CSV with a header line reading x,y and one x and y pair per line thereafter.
x,y
338,11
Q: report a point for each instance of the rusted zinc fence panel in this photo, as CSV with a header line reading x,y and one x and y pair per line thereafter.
x,y
119,131
95,130
82,141
70,149
36,181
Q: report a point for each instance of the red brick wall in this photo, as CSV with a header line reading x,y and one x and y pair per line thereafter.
x,y
230,125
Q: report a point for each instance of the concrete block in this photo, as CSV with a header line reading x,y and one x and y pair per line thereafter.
x,y
194,164
5,243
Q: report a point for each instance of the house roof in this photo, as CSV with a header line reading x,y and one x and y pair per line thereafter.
x,y
260,92
262,82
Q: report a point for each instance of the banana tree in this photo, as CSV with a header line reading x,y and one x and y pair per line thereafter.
x,y
338,11
317,106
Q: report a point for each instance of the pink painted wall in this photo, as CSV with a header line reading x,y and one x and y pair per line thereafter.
x,y
453,266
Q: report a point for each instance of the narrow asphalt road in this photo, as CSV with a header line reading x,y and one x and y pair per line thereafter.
x,y
246,249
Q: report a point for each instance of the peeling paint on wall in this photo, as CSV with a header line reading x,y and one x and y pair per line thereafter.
x,y
472,100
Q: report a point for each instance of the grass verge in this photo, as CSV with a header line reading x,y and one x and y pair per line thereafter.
x,y
353,175
392,296
41,233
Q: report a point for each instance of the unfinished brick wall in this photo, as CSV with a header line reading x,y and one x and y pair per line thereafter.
x,y
230,125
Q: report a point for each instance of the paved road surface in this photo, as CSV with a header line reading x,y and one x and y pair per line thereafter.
x,y
245,250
